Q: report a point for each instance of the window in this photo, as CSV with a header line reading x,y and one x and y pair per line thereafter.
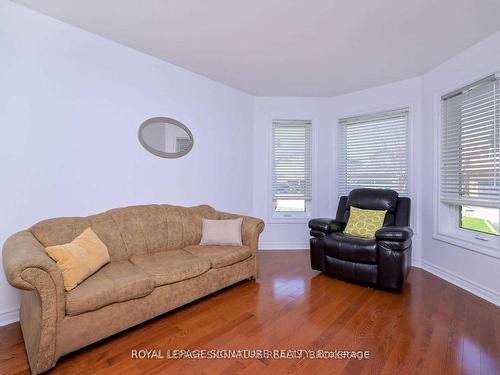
x,y
479,219
469,162
182,144
291,168
373,152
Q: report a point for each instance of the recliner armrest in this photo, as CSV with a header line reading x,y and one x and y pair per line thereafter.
x,y
326,226
394,234
394,245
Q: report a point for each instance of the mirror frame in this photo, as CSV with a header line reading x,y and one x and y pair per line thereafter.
x,y
163,154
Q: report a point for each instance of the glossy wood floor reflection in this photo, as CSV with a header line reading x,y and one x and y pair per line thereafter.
x,y
432,327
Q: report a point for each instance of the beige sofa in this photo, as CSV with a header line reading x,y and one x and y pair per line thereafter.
x,y
156,265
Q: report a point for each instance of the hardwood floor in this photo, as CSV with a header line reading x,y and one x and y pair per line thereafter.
x,y
432,327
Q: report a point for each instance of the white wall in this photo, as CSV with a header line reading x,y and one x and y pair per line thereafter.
x,y
474,271
70,107
325,114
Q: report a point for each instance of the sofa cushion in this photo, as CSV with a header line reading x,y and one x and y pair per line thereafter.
x,y
352,249
171,266
116,282
220,256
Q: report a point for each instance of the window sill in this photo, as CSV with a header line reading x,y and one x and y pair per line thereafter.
x,y
288,220
485,249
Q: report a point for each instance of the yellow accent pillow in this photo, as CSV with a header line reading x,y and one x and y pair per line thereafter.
x,y
80,258
364,223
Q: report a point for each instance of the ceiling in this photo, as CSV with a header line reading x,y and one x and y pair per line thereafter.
x,y
289,47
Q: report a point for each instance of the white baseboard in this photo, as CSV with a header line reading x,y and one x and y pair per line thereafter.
x,y
462,282
284,246
416,262
8,316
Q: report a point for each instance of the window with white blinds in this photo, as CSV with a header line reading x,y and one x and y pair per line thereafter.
x,y
291,160
373,152
182,144
470,145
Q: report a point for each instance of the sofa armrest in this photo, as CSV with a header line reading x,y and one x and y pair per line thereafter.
x,y
326,226
27,266
251,228
394,234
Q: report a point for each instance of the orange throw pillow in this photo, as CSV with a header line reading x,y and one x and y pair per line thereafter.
x,y
80,258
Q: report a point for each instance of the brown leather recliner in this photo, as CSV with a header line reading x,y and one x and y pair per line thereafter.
x,y
383,261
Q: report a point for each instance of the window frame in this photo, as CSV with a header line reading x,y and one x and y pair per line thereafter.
x,y
290,217
446,217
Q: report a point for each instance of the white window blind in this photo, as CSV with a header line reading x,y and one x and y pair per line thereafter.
x,y
182,144
291,168
470,145
373,152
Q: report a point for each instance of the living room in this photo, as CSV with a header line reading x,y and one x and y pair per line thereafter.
x,y
293,116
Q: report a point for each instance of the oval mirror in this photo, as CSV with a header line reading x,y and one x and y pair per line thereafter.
x,y
165,137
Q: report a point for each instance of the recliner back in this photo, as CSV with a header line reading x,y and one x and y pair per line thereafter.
x,y
398,208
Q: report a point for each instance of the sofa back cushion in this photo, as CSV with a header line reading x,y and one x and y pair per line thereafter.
x,y
132,230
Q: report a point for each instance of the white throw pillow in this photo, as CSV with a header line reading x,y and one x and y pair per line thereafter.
x,y
221,232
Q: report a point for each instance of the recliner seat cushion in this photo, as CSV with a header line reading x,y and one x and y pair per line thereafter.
x,y
171,266
220,256
115,282
352,249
